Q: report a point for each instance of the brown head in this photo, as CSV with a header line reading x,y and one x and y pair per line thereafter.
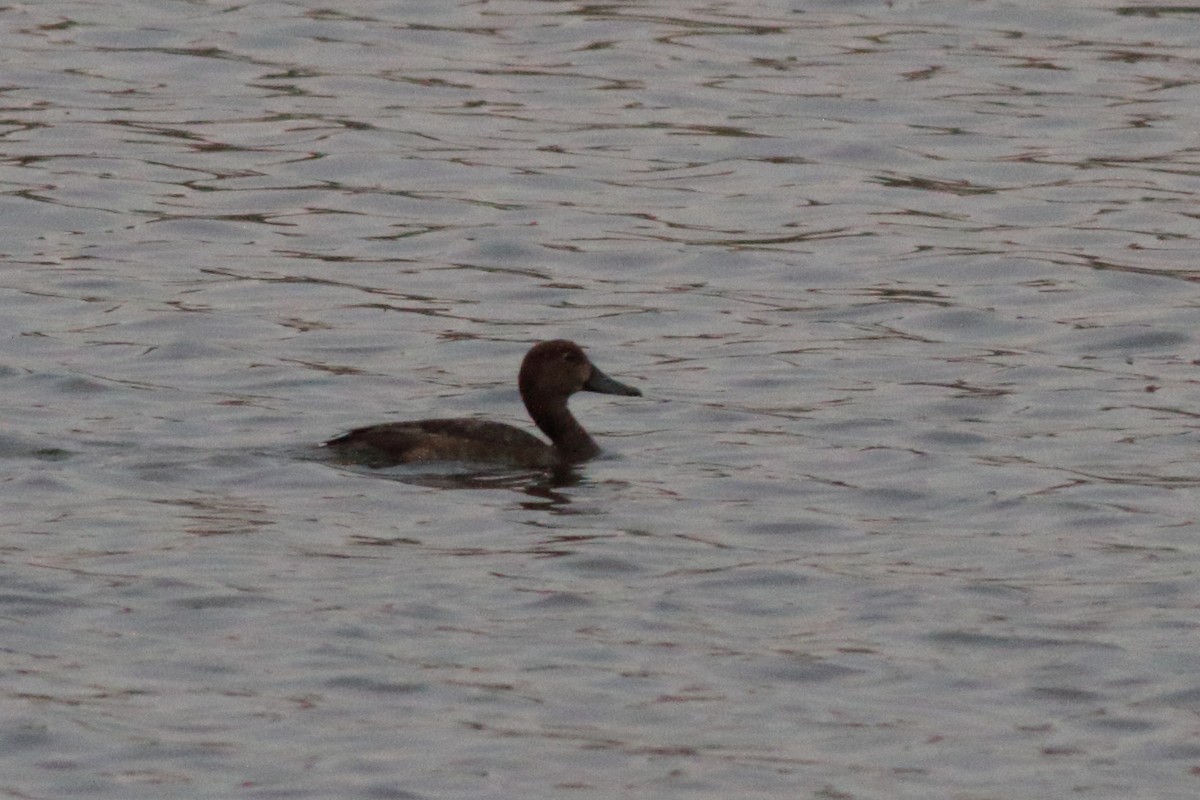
x,y
553,371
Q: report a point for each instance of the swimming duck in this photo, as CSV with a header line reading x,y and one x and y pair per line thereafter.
x,y
550,373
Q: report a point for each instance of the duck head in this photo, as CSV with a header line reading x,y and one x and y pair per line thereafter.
x,y
553,371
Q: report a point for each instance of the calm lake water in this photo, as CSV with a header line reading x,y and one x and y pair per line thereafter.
x,y
910,508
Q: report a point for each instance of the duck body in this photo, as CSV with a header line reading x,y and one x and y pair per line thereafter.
x,y
550,373
468,440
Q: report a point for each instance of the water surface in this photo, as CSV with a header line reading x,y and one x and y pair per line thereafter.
x,y
909,508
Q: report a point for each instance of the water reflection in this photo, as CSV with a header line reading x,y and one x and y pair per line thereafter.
x,y
541,484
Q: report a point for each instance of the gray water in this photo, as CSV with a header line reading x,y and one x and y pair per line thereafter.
x,y
909,509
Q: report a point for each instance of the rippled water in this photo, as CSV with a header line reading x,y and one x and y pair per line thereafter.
x,y
909,508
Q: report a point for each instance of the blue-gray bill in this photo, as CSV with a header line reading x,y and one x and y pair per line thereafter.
x,y
599,382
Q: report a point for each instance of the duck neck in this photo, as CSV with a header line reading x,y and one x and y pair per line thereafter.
x,y
571,441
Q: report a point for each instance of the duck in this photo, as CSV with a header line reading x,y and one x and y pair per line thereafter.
x,y
550,373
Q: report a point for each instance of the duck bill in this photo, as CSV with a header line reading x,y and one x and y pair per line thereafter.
x,y
599,382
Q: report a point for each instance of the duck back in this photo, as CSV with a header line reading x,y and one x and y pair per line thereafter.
x,y
469,440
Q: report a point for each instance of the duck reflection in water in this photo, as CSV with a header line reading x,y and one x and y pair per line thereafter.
x,y
550,373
